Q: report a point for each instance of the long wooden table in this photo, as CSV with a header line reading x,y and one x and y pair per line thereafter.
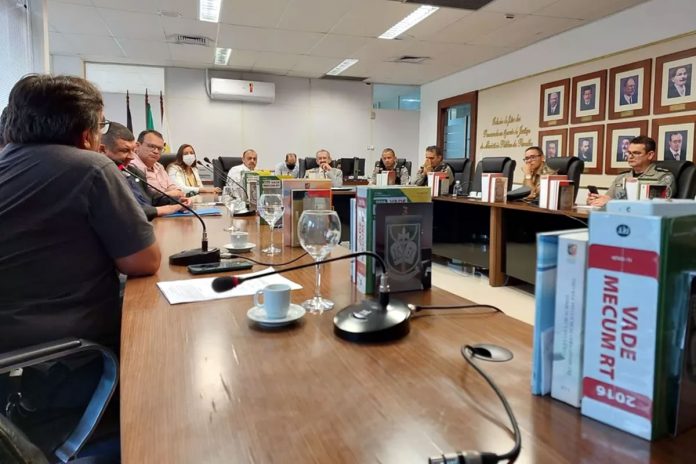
x,y
199,384
494,222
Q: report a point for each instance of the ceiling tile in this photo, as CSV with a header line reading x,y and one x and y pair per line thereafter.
x,y
520,6
62,17
261,39
243,58
470,27
142,6
275,61
76,2
588,10
132,25
527,30
370,19
187,8
324,15
60,43
383,50
259,13
145,49
315,64
191,53
436,22
94,45
338,46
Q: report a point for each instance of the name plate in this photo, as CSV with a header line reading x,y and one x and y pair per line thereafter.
x,y
625,114
552,123
681,107
586,119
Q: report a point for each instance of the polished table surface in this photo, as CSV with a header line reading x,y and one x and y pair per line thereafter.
x,y
200,384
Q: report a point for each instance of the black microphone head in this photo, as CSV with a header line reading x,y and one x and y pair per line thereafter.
x,y
207,160
222,284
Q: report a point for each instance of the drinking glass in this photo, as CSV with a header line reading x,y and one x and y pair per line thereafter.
x,y
319,231
270,207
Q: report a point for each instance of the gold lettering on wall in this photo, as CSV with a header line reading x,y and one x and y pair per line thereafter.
x,y
506,132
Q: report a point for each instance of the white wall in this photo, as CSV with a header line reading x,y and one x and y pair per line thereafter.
x,y
631,28
308,114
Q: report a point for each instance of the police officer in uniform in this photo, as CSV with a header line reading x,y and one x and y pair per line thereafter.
x,y
434,162
641,158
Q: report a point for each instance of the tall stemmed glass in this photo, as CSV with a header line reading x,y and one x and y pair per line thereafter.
x,y
319,231
227,198
270,207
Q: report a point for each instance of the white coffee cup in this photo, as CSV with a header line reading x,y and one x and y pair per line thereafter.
x,y
239,238
276,300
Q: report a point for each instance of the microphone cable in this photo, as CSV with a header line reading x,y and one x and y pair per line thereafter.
x,y
233,256
417,308
474,457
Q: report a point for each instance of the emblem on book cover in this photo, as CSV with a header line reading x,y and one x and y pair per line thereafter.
x,y
403,243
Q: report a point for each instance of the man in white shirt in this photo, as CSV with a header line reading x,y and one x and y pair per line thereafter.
x,y
325,171
249,159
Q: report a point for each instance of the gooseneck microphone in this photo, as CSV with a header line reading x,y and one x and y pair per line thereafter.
x,y
200,255
368,321
223,175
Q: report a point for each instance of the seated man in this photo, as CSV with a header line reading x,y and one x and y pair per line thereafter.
x,y
118,144
149,150
534,167
288,167
69,221
388,163
234,176
325,171
641,158
434,162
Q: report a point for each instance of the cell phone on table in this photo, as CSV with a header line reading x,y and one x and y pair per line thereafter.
x,y
224,266
593,189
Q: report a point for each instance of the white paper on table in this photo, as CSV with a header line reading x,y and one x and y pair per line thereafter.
x,y
192,290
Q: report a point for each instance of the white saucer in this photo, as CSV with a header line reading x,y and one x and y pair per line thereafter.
x,y
243,249
258,315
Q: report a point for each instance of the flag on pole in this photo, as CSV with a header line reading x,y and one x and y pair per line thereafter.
x,y
149,122
164,129
129,118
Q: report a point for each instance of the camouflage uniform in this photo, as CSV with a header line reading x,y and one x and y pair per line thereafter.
x,y
422,177
661,176
534,179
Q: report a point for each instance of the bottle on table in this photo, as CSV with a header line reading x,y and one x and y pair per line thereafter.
x,y
458,190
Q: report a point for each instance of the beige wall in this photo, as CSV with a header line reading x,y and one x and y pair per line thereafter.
x,y
521,98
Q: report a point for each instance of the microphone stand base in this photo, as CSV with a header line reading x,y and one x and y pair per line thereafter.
x,y
369,322
197,256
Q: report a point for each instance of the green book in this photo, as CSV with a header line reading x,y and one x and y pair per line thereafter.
x,y
269,184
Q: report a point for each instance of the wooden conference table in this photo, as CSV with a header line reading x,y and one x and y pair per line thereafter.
x,y
199,384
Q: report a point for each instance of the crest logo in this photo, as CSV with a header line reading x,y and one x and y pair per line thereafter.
x,y
403,243
623,230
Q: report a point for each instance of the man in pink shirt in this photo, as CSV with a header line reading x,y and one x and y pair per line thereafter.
x,y
149,149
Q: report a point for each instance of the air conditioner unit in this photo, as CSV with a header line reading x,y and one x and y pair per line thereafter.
x,y
250,91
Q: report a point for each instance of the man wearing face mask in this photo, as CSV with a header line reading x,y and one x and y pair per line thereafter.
x,y
184,173
288,167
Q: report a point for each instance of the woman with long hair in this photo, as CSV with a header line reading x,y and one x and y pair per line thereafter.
x,y
184,172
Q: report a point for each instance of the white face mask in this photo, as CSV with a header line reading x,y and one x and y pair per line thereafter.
x,y
189,159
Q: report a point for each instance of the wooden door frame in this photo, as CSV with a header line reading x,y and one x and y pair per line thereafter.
x,y
442,107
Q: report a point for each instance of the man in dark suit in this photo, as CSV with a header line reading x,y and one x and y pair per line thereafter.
x,y
588,100
585,150
553,108
628,95
622,153
674,151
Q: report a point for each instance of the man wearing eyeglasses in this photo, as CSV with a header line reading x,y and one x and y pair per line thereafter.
x,y
149,150
641,158
534,167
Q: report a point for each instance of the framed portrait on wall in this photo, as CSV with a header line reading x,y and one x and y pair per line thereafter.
x,y
619,135
553,103
553,142
589,97
675,88
674,138
587,143
629,90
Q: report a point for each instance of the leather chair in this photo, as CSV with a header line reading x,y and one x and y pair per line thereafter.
x,y
461,167
399,162
570,166
223,164
15,446
501,164
684,176
166,160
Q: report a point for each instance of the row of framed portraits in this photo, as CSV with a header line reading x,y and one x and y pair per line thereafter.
x,y
628,92
604,148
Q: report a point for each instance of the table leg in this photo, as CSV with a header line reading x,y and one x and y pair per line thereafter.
x,y
496,249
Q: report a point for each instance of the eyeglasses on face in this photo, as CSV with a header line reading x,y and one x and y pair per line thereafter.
x,y
154,147
529,158
104,126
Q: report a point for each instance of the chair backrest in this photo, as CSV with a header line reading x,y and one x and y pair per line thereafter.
x,y
223,164
166,160
461,167
684,177
570,166
305,164
502,164
399,162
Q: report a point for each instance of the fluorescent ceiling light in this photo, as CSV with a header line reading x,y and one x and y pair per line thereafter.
x,y
409,21
222,55
345,64
209,10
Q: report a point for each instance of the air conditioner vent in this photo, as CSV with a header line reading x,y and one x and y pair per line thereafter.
x,y
411,59
183,39
343,78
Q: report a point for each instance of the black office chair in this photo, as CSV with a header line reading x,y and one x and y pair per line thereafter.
x,y
461,167
222,165
166,160
569,166
15,446
305,164
684,178
399,162
501,164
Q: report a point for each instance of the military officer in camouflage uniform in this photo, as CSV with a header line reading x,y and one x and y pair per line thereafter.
x,y
434,162
534,167
641,158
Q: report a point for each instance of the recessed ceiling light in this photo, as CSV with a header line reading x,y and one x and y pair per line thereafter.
x,y
222,55
409,21
209,10
342,66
